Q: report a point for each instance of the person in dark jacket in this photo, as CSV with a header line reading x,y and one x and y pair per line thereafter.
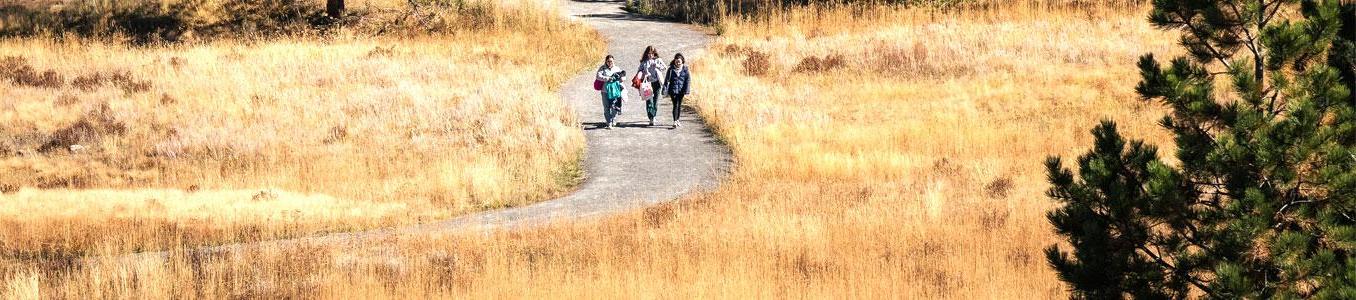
x,y
677,83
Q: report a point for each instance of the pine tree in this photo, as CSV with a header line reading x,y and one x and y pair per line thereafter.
x,y
1343,54
1261,199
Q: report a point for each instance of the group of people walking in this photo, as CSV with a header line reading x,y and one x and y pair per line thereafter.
x,y
674,82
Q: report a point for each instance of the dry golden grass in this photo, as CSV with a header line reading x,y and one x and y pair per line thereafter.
x,y
224,141
903,161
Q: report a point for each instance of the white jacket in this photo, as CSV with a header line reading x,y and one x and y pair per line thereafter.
x,y
653,69
605,74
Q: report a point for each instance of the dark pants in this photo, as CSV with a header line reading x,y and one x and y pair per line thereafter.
x,y
652,104
677,105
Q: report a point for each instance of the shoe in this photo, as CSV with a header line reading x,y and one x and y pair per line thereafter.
x,y
676,124
651,122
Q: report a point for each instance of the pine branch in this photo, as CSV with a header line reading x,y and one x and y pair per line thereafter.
x,y
1195,237
1258,58
1252,40
1270,16
1278,213
1212,184
1199,37
1247,33
1189,278
1272,110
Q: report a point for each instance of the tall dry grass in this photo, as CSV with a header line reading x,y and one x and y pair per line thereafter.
x,y
150,22
714,12
111,147
893,154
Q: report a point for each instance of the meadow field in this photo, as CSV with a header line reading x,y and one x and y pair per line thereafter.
x,y
881,152
110,146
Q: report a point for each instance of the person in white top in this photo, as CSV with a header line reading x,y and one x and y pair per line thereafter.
x,y
652,70
609,80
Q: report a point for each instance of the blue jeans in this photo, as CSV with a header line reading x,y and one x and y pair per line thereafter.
x,y
610,107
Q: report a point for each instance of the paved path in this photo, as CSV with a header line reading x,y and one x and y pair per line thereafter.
x,y
626,168
633,165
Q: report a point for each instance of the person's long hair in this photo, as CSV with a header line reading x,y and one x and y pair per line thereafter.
x,y
646,56
677,57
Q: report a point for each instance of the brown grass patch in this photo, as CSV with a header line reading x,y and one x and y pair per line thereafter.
x,y
17,71
757,64
814,64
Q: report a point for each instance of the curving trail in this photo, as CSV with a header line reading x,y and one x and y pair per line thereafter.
x,y
634,165
627,168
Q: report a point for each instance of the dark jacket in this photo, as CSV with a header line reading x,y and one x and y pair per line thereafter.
x,y
678,81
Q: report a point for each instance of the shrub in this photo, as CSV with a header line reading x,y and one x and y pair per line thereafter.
x,y
148,22
17,71
757,64
815,64
94,126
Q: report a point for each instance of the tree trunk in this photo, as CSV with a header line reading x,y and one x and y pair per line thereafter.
x,y
335,8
